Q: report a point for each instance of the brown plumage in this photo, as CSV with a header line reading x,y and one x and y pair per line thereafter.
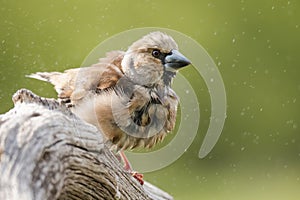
x,y
127,95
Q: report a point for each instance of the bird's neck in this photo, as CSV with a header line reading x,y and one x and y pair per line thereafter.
x,y
168,77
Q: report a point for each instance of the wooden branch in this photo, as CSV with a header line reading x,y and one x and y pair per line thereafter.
x,y
46,152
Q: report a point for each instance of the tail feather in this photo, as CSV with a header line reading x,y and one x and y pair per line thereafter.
x,y
45,76
62,82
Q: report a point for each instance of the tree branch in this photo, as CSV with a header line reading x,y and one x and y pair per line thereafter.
x,y
46,152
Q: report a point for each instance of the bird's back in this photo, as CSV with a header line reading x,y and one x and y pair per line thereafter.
x,y
73,84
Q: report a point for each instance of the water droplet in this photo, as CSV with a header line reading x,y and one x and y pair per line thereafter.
x,y
269,158
295,126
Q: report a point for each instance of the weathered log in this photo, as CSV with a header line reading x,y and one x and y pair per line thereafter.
x,y
46,152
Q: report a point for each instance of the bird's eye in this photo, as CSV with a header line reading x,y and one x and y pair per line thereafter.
x,y
156,53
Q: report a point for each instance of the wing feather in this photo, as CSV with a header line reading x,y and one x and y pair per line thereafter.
x,y
75,83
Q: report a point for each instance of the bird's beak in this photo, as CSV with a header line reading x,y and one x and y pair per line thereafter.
x,y
175,61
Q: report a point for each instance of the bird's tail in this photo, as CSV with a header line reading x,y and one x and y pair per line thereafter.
x,y
62,82
51,77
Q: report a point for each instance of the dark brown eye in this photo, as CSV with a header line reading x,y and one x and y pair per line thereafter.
x,y
156,53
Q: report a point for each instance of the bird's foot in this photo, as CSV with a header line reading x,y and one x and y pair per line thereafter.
x,y
138,176
127,166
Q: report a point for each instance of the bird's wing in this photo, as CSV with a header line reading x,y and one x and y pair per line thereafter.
x,y
74,84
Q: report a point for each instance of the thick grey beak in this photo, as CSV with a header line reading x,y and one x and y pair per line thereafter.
x,y
175,60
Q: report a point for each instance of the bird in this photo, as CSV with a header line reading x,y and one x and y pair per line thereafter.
x,y
127,95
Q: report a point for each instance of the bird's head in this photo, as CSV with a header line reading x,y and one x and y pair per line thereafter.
x,y
153,57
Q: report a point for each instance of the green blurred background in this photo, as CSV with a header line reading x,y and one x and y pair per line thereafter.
x,y
255,44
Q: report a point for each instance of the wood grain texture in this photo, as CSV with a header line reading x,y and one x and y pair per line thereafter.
x,y
46,152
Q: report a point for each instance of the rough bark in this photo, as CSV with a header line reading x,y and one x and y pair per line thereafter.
x,y
48,153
